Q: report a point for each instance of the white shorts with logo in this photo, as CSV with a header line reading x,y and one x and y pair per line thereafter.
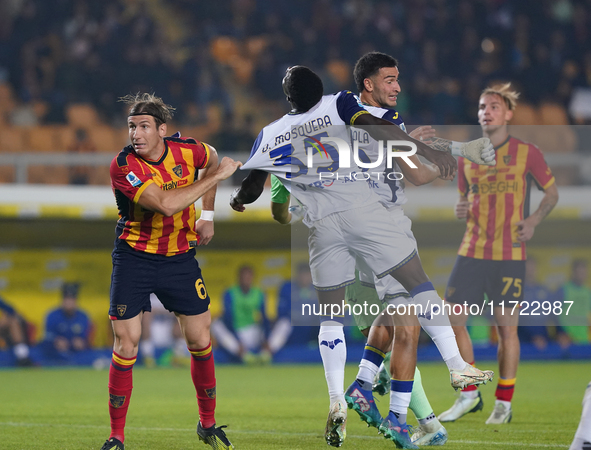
x,y
366,235
388,287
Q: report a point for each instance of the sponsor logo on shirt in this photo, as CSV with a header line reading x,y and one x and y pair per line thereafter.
x,y
173,185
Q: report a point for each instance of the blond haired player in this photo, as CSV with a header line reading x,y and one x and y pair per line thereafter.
x,y
494,201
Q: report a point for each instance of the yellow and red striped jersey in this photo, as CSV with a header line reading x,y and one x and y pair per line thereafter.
x,y
499,197
149,231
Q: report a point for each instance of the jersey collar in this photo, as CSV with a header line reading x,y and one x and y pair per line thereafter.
x,y
160,159
503,143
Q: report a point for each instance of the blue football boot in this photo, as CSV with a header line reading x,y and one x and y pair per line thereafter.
x,y
397,432
362,401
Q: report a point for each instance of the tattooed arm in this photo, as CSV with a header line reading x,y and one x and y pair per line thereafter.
x,y
440,144
479,151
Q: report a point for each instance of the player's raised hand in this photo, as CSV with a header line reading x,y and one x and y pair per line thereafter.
x,y
479,151
445,161
423,134
462,208
226,168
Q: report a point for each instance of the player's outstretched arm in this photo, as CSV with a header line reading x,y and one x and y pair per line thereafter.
x,y
479,151
445,161
424,173
252,187
171,202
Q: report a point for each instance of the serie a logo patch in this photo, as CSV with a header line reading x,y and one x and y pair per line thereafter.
x,y
133,180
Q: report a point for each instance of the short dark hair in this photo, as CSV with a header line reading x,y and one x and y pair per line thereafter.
x,y
150,105
303,87
370,64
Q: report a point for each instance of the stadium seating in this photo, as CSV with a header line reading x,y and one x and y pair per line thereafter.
x,y
525,114
82,115
43,139
12,139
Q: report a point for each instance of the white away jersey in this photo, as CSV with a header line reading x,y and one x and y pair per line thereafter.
x,y
390,190
282,149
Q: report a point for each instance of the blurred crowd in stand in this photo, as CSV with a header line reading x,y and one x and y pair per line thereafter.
x,y
232,54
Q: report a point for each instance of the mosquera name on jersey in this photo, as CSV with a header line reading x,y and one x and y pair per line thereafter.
x,y
149,231
499,198
280,149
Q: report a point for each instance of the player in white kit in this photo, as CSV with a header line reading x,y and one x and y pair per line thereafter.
x,y
376,75
347,222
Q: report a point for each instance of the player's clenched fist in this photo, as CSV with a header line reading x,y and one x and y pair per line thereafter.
x,y
462,208
226,168
479,151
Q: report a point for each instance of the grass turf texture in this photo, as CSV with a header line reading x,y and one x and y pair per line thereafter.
x,y
275,407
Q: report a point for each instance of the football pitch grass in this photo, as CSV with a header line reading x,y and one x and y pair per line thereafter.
x,y
272,407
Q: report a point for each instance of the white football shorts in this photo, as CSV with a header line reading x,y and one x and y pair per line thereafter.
x,y
364,234
388,287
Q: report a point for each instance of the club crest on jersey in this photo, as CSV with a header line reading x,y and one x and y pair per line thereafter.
x,y
211,393
507,159
133,180
332,344
178,171
121,309
450,291
116,401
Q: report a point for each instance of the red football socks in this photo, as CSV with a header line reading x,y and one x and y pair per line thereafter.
x,y
203,375
505,389
120,386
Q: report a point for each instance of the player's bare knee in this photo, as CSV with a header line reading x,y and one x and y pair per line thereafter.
x,y
508,333
198,342
407,335
125,347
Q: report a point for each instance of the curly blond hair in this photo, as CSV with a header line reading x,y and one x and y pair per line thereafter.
x,y
505,92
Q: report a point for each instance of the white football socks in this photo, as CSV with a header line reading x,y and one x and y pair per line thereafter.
x,y
333,350
438,327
